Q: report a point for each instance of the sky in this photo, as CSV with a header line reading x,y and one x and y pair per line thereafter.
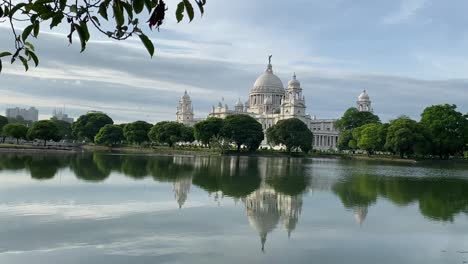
x,y
407,54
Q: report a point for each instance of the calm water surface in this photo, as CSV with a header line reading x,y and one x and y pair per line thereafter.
x,y
106,208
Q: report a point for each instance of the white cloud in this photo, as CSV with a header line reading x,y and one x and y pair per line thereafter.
x,y
407,10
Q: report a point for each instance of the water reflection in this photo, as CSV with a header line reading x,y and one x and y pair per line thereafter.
x,y
270,190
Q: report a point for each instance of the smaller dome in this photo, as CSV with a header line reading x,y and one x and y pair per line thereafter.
x,y
294,82
239,103
363,96
185,96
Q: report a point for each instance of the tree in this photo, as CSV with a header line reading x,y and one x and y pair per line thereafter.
x,y
3,122
64,128
447,127
208,129
166,132
137,132
344,138
188,134
44,130
292,133
87,126
15,130
406,136
353,118
109,135
80,15
243,130
370,138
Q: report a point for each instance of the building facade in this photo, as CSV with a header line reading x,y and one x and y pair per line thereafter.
x,y
31,114
269,102
60,115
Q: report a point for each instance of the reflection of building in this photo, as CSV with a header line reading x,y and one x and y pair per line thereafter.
x,y
360,214
31,114
266,208
181,189
269,102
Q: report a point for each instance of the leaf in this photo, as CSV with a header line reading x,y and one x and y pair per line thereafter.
x,y
138,6
103,10
33,56
63,4
201,4
148,44
96,20
16,8
128,7
26,32
4,54
56,20
29,45
84,26
118,14
189,9
25,62
1,66
148,5
36,29
82,35
180,12
73,9
1,11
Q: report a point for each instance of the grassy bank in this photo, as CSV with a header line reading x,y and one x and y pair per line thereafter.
x,y
35,149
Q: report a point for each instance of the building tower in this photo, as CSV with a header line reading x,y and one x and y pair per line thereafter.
x,y
185,110
294,102
364,103
239,107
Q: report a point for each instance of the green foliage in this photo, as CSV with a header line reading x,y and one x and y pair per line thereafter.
x,y
80,15
208,129
344,138
109,135
242,130
44,130
292,133
64,128
406,136
87,126
370,137
447,128
15,130
3,122
352,118
137,132
169,133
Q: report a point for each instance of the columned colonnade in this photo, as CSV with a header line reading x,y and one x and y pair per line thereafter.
x,y
325,141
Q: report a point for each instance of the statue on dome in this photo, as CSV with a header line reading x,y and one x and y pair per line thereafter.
x,y
269,59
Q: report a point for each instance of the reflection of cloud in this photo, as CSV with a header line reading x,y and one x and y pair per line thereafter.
x,y
85,211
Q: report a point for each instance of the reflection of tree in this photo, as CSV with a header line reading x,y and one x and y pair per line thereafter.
x,y
165,169
45,167
135,166
288,178
108,162
13,162
438,198
233,176
85,168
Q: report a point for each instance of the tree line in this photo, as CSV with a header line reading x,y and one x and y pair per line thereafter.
x,y
442,132
241,131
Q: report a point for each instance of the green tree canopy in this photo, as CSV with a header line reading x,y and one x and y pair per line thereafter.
x,y
405,136
243,130
116,19
344,138
292,133
64,128
370,137
208,129
169,133
3,122
87,126
15,130
353,118
109,135
44,130
137,132
447,127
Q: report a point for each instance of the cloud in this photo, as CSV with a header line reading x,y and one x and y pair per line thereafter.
x,y
407,10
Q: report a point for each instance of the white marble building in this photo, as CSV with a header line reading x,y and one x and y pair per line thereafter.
x,y
269,102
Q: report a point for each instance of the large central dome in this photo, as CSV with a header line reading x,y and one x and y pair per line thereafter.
x,y
268,83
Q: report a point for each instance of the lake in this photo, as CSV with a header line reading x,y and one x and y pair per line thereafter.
x,y
112,208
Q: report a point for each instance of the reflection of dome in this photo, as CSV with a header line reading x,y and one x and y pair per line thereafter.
x,y
262,212
363,96
360,214
294,83
268,83
181,189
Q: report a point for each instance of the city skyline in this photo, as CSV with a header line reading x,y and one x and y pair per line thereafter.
x,y
410,51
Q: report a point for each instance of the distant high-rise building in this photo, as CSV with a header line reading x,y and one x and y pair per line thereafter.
x,y
31,114
60,115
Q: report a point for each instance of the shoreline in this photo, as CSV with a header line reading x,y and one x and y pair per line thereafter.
x,y
199,152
